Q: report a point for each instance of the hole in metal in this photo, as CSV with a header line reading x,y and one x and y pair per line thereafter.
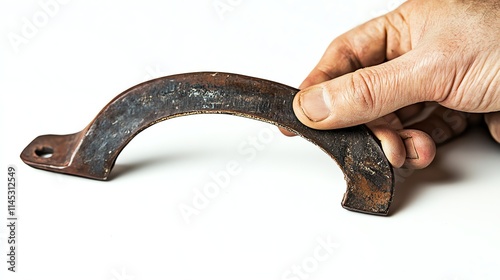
x,y
44,152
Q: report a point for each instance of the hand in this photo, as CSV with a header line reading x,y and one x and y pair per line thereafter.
x,y
382,72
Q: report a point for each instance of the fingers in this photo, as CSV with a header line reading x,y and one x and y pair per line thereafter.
x,y
384,129
328,104
493,122
420,149
364,46
407,148
366,94
369,44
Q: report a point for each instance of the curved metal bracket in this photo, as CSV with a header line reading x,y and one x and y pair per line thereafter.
x,y
92,152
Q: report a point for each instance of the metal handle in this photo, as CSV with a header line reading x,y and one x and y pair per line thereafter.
x,y
92,152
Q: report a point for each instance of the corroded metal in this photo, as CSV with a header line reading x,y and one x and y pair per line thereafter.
x,y
92,152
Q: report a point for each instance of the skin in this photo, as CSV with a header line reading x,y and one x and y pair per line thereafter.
x,y
412,75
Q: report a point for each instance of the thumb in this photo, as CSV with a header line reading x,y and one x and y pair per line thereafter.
x,y
366,94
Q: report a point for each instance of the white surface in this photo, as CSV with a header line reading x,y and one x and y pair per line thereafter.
x,y
274,214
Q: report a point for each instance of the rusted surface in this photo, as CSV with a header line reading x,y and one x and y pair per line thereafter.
x,y
92,152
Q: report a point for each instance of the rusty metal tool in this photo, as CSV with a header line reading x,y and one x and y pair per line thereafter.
x,y
92,152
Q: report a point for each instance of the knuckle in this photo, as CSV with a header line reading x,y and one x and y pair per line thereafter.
x,y
364,93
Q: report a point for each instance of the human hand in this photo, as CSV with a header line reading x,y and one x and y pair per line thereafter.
x,y
381,72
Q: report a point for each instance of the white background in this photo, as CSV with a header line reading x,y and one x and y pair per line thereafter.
x,y
284,203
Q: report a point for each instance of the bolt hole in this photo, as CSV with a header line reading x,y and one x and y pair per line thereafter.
x,y
45,152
